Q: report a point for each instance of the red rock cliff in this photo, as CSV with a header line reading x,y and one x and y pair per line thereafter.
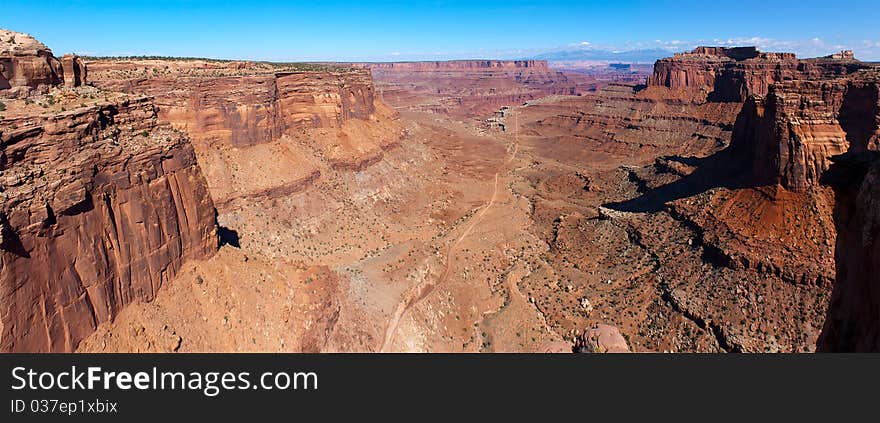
x,y
468,87
788,136
733,74
240,113
101,206
243,107
27,64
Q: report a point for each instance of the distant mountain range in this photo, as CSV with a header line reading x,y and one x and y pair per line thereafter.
x,y
596,54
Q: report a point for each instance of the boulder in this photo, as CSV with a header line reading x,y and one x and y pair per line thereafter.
x,y
602,339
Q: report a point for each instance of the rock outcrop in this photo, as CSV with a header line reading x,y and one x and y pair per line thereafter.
x,y
27,64
601,339
733,216
852,323
250,108
788,136
74,70
102,205
734,74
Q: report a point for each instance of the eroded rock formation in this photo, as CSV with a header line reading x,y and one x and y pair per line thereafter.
x,y
601,339
731,217
459,65
240,113
852,323
243,108
733,74
788,136
102,205
74,70
688,215
27,64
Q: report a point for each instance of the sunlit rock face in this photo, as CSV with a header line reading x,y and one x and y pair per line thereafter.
x,y
27,64
102,205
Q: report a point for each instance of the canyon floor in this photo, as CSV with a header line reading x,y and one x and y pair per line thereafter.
x,y
424,251
470,236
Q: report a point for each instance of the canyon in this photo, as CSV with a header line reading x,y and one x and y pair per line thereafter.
x,y
725,202
466,89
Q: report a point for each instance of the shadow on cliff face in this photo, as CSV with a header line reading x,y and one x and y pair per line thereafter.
x,y
859,102
852,321
9,240
228,237
733,168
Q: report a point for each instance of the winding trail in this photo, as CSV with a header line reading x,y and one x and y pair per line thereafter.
x,y
422,290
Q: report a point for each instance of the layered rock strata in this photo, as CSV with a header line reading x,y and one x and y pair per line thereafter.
x,y
27,64
244,108
734,74
468,88
241,113
458,65
788,136
730,226
102,205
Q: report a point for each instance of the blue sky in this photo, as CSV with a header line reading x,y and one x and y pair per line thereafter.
x,y
421,30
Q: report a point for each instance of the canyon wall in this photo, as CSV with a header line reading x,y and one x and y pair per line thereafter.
x,y
796,113
853,320
102,205
469,88
852,323
240,113
458,65
788,136
244,108
733,211
734,74
825,130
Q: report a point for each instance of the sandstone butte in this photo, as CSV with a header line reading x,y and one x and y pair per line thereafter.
x,y
701,223
799,117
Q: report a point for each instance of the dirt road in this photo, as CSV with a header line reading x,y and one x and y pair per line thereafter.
x,y
422,290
